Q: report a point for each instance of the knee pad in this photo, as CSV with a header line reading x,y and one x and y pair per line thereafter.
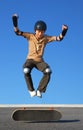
x,y
47,71
26,70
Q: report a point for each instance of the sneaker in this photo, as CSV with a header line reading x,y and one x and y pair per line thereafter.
x,y
32,93
39,94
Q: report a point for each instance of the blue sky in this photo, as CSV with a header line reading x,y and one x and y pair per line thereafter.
x,y
65,57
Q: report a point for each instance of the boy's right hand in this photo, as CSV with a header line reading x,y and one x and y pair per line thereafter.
x,y
15,20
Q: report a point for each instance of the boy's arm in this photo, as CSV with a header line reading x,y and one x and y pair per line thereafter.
x,y
62,34
15,24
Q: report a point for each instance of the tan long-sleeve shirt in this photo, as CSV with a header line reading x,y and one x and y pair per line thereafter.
x,y
36,47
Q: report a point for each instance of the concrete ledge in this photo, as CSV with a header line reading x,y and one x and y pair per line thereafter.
x,y
42,105
72,117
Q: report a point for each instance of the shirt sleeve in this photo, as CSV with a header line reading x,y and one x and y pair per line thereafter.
x,y
24,34
50,38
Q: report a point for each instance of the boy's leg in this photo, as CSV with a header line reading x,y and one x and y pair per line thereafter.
x,y
27,67
44,67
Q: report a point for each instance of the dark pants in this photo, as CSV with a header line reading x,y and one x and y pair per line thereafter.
x,y
41,66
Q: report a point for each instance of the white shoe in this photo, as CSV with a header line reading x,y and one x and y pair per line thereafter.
x,y
32,93
39,94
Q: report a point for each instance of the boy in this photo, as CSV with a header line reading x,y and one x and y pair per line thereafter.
x,y
37,42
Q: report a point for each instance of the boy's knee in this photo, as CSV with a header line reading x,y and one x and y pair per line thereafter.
x,y
47,71
26,70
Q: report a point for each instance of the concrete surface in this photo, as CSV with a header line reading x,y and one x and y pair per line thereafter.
x,y
72,118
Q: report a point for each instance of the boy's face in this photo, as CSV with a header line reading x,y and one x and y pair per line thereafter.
x,y
39,34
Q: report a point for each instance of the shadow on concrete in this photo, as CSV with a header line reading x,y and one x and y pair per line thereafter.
x,y
68,121
60,121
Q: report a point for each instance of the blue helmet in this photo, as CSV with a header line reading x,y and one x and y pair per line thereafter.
x,y
40,25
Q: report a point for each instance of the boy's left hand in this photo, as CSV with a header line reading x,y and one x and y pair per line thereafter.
x,y
64,27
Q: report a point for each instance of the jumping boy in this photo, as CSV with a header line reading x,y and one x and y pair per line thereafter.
x,y
37,42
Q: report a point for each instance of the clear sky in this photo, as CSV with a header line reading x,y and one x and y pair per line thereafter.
x,y
65,58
